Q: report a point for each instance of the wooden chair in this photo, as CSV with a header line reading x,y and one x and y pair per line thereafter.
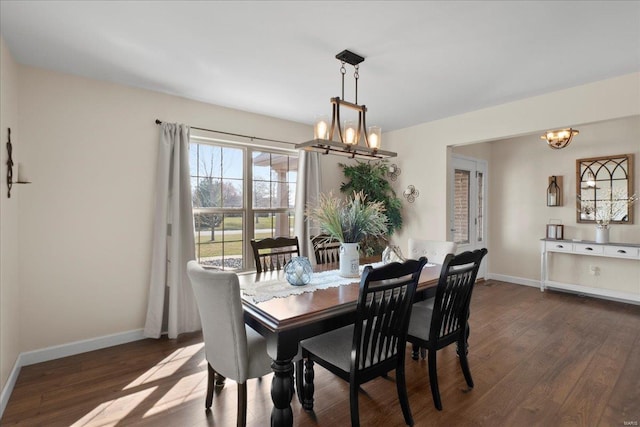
x,y
237,351
446,322
376,343
326,250
272,254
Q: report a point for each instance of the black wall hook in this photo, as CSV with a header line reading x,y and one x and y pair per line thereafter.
x,y
9,165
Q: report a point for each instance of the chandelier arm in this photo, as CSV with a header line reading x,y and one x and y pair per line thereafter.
x,y
363,119
336,107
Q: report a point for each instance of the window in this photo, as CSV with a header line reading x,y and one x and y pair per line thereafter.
x,y
227,191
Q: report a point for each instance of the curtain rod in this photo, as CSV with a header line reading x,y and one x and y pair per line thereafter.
x,y
159,122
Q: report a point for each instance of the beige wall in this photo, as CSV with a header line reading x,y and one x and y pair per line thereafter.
x,y
9,243
423,153
86,220
518,174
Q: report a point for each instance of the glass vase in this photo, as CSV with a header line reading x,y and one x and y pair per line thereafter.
x,y
298,271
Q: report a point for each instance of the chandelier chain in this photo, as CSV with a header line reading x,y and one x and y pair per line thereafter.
x,y
356,76
343,71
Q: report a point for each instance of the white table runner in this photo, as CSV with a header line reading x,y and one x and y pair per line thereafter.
x,y
279,288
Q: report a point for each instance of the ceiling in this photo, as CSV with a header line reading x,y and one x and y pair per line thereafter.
x,y
424,60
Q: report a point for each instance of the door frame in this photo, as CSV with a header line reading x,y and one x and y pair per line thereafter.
x,y
475,166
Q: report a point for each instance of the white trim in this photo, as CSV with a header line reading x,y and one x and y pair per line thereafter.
x,y
77,347
598,292
63,350
513,279
626,297
8,387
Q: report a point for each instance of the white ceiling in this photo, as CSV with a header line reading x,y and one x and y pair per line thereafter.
x,y
424,60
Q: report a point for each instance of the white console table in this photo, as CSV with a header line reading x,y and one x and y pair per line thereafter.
x,y
610,250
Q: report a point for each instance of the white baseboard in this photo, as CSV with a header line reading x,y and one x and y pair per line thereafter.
x,y
8,387
612,295
513,279
63,350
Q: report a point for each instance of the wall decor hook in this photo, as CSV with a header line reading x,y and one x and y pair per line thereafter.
x,y
9,164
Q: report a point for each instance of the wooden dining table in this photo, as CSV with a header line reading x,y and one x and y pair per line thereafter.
x,y
284,322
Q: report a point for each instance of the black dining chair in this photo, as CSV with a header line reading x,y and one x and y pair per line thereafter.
x,y
375,343
445,322
272,254
325,249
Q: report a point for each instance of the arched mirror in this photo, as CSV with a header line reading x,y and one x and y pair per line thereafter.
x,y
604,184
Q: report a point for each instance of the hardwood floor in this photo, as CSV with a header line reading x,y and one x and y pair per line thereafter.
x,y
536,358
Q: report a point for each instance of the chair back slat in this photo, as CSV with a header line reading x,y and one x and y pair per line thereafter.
x,y
384,308
272,254
453,295
325,249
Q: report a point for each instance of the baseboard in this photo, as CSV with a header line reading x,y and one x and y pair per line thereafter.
x,y
63,350
513,279
611,295
8,387
608,294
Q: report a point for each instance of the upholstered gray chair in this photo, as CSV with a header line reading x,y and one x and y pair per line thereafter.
x,y
235,350
434,250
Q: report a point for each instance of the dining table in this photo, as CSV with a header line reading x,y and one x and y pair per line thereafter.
x,y
285,321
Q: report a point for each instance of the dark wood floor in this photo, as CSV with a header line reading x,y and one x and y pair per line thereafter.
x,y
537,358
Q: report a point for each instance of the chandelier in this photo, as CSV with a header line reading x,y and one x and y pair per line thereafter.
x,y
558,139
353,139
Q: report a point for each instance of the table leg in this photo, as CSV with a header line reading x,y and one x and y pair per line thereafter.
x,y
281,393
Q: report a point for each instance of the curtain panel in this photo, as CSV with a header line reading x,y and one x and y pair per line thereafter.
x,y
172,306
307,193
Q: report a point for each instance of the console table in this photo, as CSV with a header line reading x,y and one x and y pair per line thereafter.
x,y
629,251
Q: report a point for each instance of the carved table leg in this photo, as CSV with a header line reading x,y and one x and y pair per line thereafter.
x,y
281,393
308,385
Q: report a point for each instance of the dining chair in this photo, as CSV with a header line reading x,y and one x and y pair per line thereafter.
x,y
375,343
237,351
326,250
446,322
434,250
273,253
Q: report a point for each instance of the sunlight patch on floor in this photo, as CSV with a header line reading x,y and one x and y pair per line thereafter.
x,y
186,389
112,412
167,367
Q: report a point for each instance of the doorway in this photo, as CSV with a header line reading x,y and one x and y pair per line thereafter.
x,y
467,205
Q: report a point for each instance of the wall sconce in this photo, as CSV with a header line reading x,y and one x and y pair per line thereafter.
x,y
393,172
560,138
20,174
554,191
410,193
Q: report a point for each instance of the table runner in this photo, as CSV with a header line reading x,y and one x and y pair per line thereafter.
x,y
279,288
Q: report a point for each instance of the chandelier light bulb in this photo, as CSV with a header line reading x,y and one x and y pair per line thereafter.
x,y
350,133
321,128
375,137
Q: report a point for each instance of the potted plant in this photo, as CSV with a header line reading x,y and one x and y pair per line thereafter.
x,y
349,221
614,205
370,178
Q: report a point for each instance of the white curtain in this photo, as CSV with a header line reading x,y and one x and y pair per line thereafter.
x,y
171,301
307,192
